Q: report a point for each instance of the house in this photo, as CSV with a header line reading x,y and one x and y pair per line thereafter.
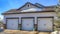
x,y
30,17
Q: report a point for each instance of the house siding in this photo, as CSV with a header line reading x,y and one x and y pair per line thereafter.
x,y
26,7
35,15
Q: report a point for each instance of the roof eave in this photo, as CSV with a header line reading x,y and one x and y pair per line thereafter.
x,y
28,12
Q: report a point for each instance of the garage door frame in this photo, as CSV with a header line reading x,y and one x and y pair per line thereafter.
x,y
47,17
27,18
12,18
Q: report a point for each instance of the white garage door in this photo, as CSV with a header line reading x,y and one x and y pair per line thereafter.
x,y
27,24
12,24
45,24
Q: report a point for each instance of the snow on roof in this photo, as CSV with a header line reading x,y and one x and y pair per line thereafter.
x,y
32,9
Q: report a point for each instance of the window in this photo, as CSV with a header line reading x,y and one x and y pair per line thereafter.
x,y
28,5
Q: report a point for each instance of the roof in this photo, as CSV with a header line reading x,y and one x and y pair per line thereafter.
x,y
31,10
50,6
29,3
28,12
40,5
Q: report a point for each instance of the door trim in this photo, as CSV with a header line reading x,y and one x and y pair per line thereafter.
x,y
47,17
27,18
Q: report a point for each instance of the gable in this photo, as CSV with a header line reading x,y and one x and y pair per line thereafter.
x,y
28,5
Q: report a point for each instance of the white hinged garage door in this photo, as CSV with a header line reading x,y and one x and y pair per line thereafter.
x,y
27,24
12,24
45,24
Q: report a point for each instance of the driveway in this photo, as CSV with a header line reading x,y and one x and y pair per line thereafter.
x,y
22,32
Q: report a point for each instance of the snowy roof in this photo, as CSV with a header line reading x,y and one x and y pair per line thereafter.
x,y
32,9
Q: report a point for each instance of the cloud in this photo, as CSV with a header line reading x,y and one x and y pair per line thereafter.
x,y
1,17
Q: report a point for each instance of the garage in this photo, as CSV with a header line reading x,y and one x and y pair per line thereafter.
x,y
27,23
45,24
12,24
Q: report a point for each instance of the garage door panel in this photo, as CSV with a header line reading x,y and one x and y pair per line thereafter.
x,y
12,24
27,24
45,24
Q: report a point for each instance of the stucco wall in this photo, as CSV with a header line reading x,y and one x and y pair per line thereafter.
x,y
43,14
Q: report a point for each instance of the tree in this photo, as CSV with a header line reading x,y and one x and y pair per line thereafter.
x,y
57,11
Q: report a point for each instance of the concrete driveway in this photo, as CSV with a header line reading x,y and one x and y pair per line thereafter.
x,y
22,32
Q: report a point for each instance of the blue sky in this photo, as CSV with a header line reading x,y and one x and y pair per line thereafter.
x,y
6,5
